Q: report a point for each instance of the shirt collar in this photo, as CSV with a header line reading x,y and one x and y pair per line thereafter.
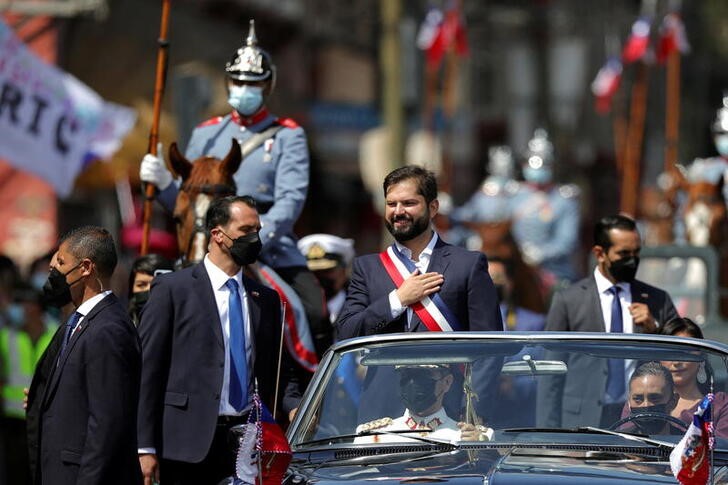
x,y
603,284
425,252
218,277
247,121
439,414
85,307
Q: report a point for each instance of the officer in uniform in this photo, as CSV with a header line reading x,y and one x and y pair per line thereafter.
x,y
546,216
422,389
329,257
492,202
275,171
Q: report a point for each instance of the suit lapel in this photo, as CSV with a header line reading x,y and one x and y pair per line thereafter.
x,y
75,336
207,302
253,306
440,257
594,305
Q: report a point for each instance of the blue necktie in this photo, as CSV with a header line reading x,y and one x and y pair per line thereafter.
x,y
615,379
238,361
70,325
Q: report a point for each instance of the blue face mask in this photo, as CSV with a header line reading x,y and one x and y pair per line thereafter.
x,y
37,280
721,144
246,99
16,314
539,176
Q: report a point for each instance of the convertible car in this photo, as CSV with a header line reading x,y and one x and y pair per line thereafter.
x,y
506,408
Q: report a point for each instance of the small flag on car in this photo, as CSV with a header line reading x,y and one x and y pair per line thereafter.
x,y
690,459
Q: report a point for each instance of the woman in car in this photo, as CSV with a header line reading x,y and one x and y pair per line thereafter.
x,y
692,380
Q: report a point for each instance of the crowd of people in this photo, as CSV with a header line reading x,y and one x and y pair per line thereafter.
x,y
146,392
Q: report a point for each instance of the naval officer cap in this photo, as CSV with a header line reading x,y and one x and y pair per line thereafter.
x,y
326,251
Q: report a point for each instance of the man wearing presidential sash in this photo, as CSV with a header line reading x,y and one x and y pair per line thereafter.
x,y
420,283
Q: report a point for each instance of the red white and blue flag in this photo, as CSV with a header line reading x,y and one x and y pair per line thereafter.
x,y
263,452
432,310
672,37
606,84
296,331
638,42
690,459
441,32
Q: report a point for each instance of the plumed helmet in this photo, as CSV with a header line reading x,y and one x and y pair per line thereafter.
x,y
720,125
250,62
500,161
540,150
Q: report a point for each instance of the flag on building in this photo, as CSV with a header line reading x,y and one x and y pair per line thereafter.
x,y
51,124
263,452
672,37
638,42
606,84
690,459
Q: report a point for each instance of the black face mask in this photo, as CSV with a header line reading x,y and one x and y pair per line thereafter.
x,y
649,425
418,393
136,303
56,291
245,249
624,269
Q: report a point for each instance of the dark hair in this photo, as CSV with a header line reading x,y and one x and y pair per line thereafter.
x,y
24,292
148,264
218,214
681,324
426,181
94,243
606,224
9,273
654,369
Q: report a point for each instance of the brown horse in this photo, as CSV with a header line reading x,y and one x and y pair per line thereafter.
x,y
202,181
498,242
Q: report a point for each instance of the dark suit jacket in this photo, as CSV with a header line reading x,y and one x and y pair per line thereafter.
x,y
87,410
184,355
578,309
467,290
43,371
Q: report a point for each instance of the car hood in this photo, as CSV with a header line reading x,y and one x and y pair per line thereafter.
x,y
484,467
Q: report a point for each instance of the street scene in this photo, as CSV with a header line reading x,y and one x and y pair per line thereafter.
x,y
257,241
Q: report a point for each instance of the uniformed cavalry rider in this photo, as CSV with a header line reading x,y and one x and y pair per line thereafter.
x,y
275,171
546,216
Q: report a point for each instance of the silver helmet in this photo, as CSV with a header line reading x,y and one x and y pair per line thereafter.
x,y
250,62
540,150
500,161
720,125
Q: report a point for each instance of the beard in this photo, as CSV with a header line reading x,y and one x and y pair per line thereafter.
x,y
410,230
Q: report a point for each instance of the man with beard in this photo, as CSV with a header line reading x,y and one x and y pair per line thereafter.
x,y
610,300
420,283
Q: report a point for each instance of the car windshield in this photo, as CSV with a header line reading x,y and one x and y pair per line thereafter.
x,y
491,389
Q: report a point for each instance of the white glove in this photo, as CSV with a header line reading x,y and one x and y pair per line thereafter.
x,y
153,170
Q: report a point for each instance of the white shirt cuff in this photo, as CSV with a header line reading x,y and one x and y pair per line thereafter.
x,y
395,305
147,451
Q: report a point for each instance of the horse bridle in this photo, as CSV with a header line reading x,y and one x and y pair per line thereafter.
x,y
214,190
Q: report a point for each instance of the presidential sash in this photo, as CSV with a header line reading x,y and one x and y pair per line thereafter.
x,y
432,310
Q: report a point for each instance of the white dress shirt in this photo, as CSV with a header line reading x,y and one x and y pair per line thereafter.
x,y
625,300
422,263
86,307
218,278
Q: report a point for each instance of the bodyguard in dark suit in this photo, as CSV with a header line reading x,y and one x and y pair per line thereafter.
x,y
460,277
84,399
610,300
207,331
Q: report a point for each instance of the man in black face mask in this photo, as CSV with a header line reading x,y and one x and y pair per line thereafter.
x,y
208,333
610,300
422,389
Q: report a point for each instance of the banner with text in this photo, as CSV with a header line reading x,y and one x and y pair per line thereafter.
x,y
51,124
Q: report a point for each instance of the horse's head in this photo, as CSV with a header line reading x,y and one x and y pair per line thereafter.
x,y
705,214
202,181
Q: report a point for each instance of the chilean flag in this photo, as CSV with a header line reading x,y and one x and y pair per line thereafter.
x,y
606,84
636,46
439,32
264,454
690,459
672,37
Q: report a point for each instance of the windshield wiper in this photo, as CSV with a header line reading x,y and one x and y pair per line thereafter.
x,y
592,429
424,439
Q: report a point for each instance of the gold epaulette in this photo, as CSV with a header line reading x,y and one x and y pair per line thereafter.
x,y
372,425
